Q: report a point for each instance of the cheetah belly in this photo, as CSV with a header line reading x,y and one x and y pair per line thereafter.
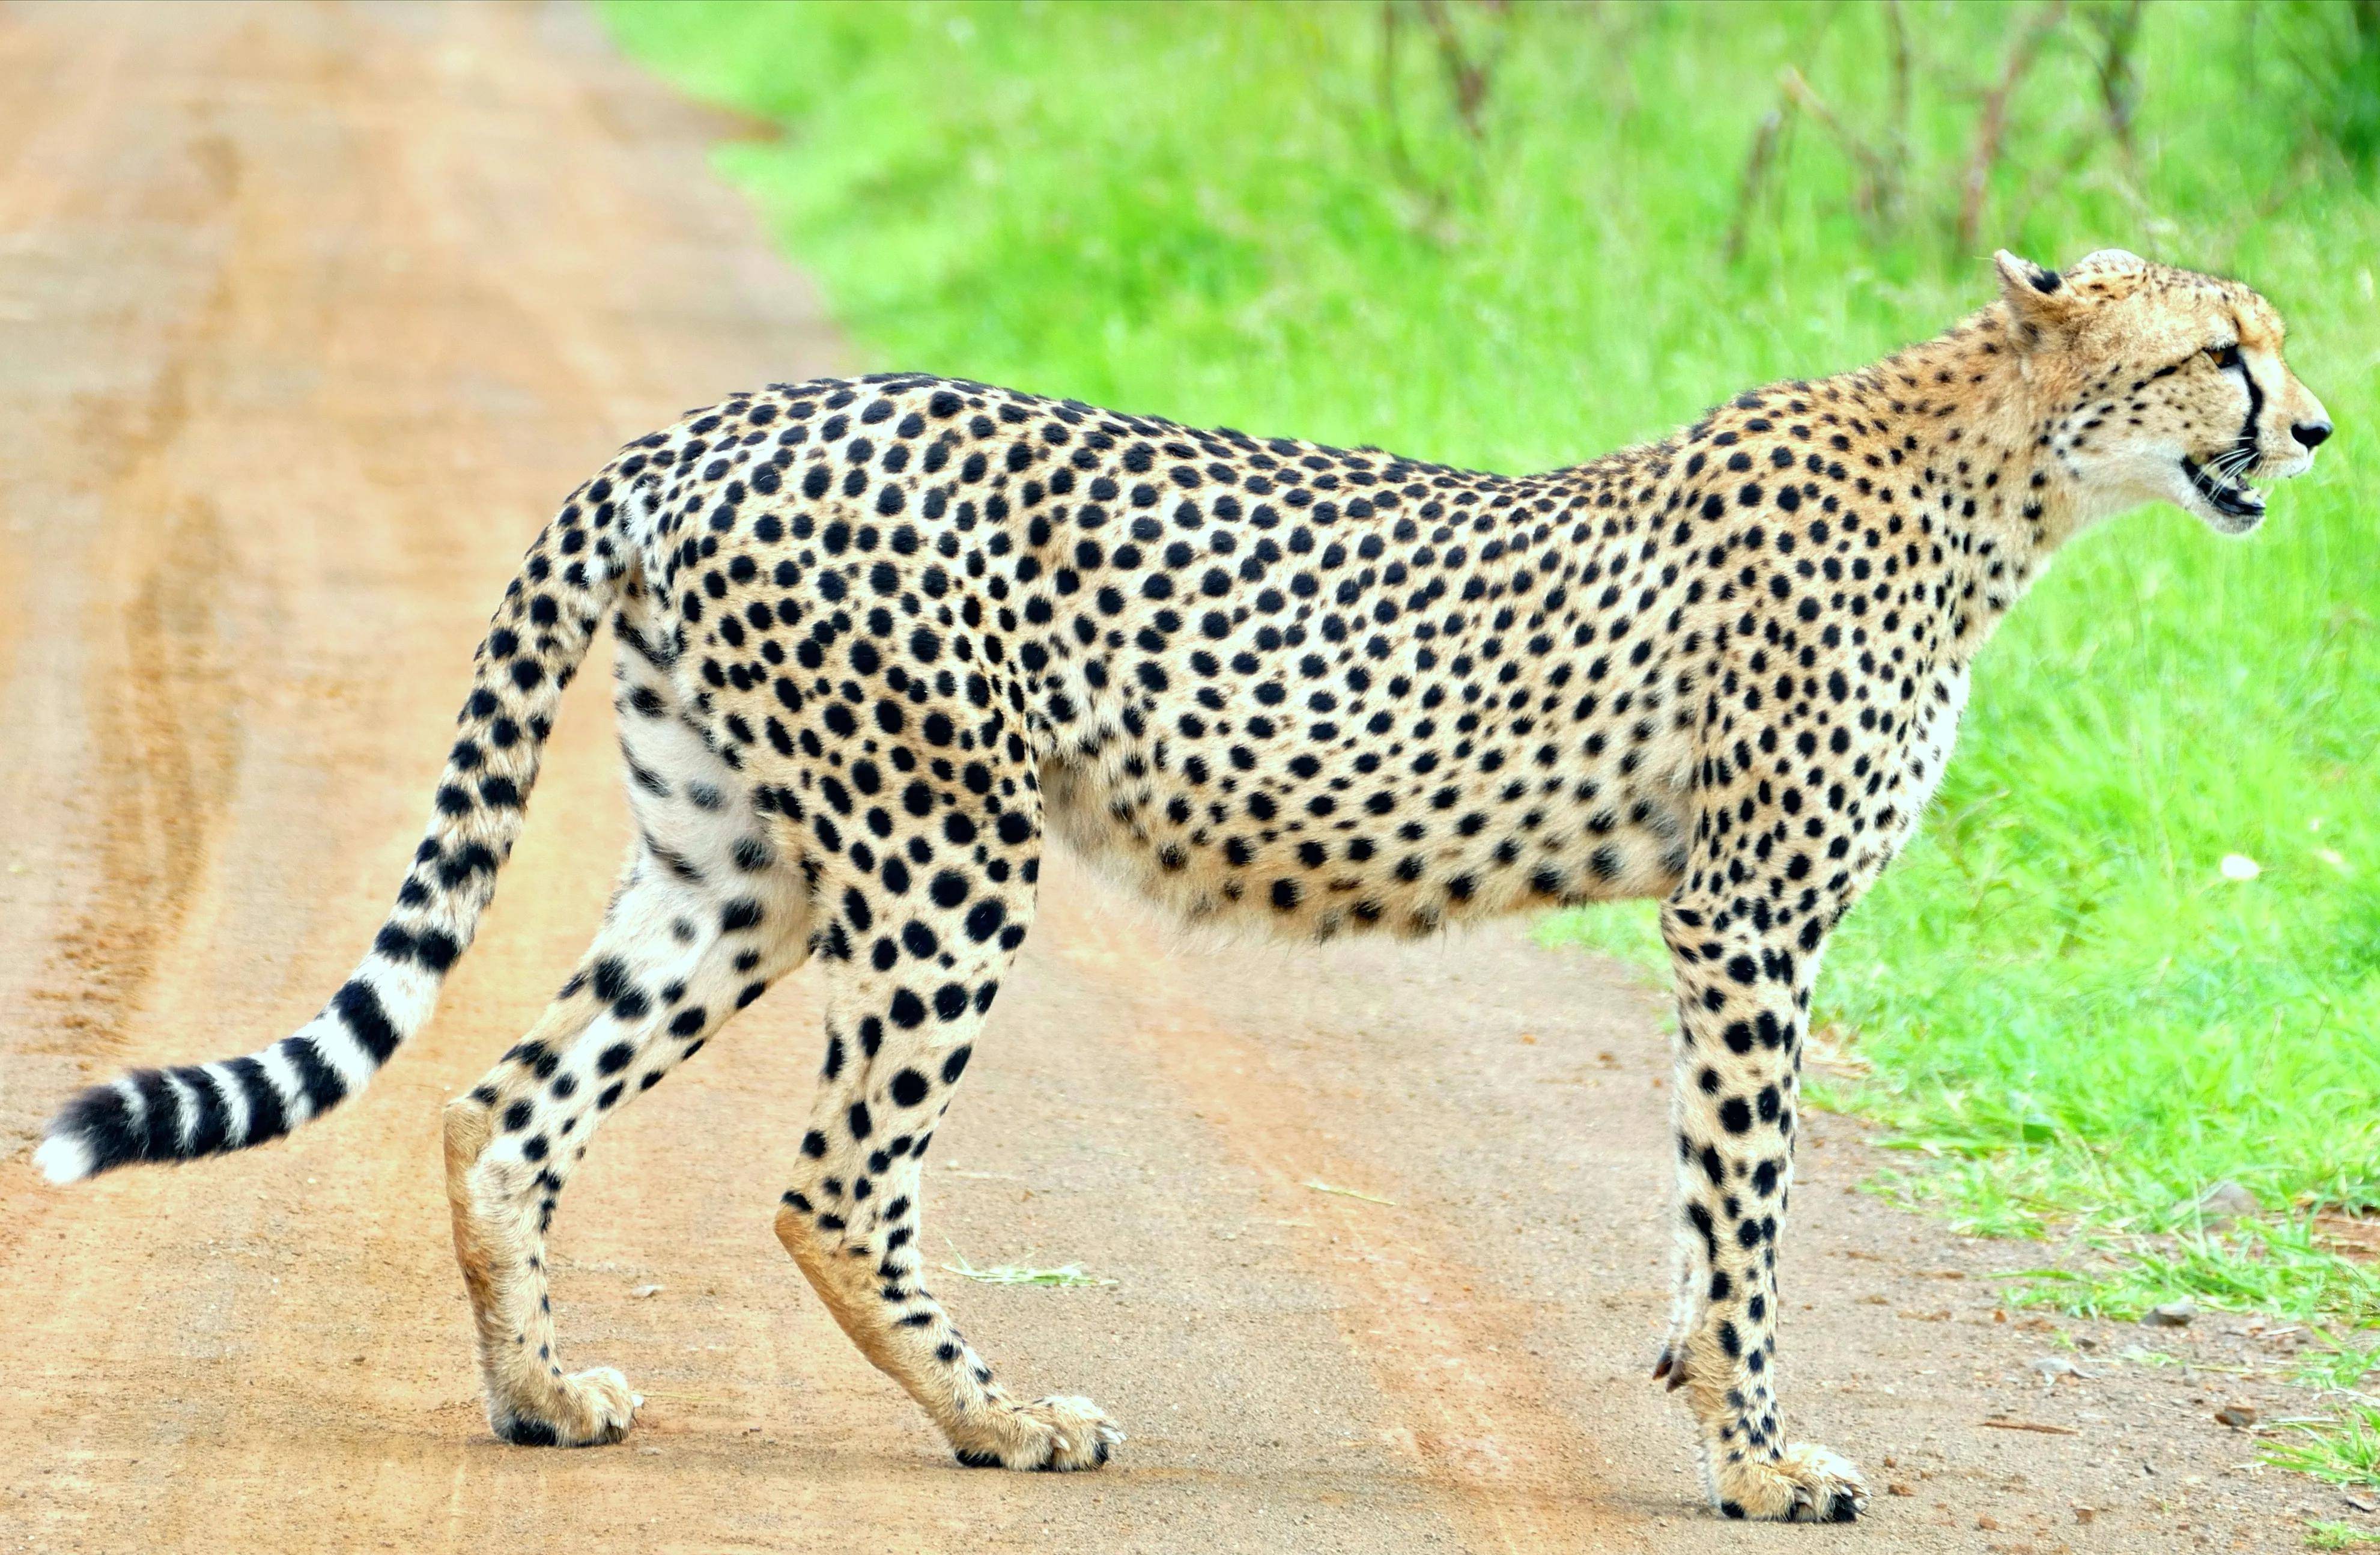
x,y
1615,836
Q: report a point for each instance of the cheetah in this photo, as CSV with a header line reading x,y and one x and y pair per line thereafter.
x,y
879,641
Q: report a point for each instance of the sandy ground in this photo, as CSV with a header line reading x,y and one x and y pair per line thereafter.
x,y
306,317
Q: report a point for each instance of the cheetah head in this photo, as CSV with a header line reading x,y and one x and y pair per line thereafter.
x,y
2160,385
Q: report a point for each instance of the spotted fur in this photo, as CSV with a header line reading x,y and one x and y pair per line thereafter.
x,y
878,640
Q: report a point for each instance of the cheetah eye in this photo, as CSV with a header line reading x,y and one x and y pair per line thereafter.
x,y
2225,356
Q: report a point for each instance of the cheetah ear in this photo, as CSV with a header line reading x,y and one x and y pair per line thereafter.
x,y
2038,301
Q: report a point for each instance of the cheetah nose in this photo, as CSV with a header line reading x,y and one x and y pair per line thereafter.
x,y
2310,433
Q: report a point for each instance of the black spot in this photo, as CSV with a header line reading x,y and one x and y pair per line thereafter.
x,y
983,919
359,1007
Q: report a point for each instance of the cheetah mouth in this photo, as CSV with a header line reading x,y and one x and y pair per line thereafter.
x,y
2228,495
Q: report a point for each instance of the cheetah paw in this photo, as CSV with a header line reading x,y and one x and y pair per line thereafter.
x,y
585,1409
1804,1484
1058,1433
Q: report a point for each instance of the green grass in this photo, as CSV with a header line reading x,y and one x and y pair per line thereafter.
x,y
2276,1269
2068,1016
1065,1277
2339,1368
2345,1451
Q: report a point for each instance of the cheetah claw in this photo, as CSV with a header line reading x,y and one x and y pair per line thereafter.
x,y
1054,1435
1804,1484
588,1409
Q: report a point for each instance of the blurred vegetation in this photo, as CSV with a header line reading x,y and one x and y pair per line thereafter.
x,y
1517,235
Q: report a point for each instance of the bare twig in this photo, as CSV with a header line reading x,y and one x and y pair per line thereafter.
x,y
1796,96
1805,97
1757,167
1468,77
1991,128
2120,74
1897,146
1881,162
1391,110
2032,1426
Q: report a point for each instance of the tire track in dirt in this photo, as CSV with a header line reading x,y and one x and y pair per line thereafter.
x,y
163,732
157,746
1452,1354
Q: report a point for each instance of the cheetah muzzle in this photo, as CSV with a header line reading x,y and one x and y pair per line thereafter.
x,y
876,641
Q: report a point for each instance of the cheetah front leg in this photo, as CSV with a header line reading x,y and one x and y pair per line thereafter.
x,y
1744,969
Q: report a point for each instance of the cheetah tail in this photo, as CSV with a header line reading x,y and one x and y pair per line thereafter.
x,y
534,645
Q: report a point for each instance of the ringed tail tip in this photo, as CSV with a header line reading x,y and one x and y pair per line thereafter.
x,y
534,645
64,1158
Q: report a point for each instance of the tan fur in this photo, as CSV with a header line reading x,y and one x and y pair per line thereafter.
x,y
978,1416
502,1251
466,1131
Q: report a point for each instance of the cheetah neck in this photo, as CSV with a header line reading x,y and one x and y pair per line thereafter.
x,y
1968,447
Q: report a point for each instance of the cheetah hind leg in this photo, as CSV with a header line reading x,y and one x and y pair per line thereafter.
x,y
896,1044
643,1000
530,1402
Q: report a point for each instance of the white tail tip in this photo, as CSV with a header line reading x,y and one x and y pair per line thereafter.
x,y
62,1159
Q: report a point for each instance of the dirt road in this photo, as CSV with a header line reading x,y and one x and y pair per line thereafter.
x,y
308,316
